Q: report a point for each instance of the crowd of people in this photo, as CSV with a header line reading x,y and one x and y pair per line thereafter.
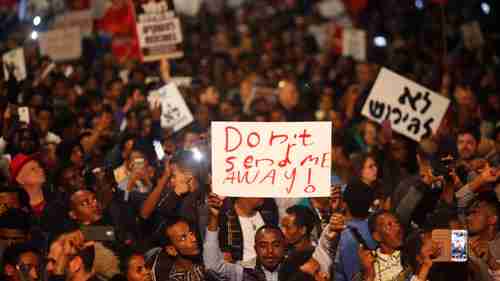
x,y
84,194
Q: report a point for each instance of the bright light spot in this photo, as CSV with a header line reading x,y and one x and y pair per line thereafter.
x,y
197,155
419,4
380,41
34,35
486,8
282,84
37,20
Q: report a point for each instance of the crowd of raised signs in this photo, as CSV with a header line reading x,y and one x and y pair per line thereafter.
x,y
95,186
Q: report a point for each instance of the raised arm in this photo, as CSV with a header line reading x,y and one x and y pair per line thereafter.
x,y
212,255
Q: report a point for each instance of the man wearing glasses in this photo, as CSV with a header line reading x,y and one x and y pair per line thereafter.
x,y
22,264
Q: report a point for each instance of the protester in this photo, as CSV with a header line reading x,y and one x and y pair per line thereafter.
x,y
386,263
297,227
239,221
85,144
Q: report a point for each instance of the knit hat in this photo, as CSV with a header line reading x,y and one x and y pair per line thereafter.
x,y
17,164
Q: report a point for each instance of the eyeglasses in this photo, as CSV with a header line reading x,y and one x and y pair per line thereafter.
x,y
184,237
88,202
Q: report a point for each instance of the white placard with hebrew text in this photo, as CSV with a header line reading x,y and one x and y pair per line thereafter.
x,y
413,110
271,159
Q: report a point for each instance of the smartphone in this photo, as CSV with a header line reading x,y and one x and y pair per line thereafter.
x,y
24,114
160,153
459,245
454,244
99,233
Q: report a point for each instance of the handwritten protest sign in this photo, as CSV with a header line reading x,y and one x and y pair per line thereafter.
x,y
253,159
413,110
61,44
354,43
14,61
159,31
82,19
175,112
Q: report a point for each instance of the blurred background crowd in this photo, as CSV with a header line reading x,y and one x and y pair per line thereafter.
x,y
85,196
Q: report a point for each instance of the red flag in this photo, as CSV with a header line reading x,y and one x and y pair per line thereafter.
x,y
119,21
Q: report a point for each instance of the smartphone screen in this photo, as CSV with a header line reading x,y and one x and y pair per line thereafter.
x,y
459,245
160,153
454,244
24,114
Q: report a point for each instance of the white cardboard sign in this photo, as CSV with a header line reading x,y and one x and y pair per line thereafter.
x,y
413,110
271,159
15,59
159,31
83,19
175,112
354,43
162,32
62,44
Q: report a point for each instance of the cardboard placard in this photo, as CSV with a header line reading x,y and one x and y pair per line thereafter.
x,y
413,110
175,112
15,60
271,159
354,43
61,44
82,19
159,31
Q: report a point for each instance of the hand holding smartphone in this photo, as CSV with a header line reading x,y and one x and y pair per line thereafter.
x,y
454,245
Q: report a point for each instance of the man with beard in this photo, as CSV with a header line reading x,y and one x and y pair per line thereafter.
x,y
180,258
467,142
270,247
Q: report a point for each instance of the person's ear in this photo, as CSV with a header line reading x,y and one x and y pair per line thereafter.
x,y
72,215
75,264
20,179
376,236
302,230
171,250
493,220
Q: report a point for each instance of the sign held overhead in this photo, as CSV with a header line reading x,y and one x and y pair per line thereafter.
x,y
271,159
414,111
